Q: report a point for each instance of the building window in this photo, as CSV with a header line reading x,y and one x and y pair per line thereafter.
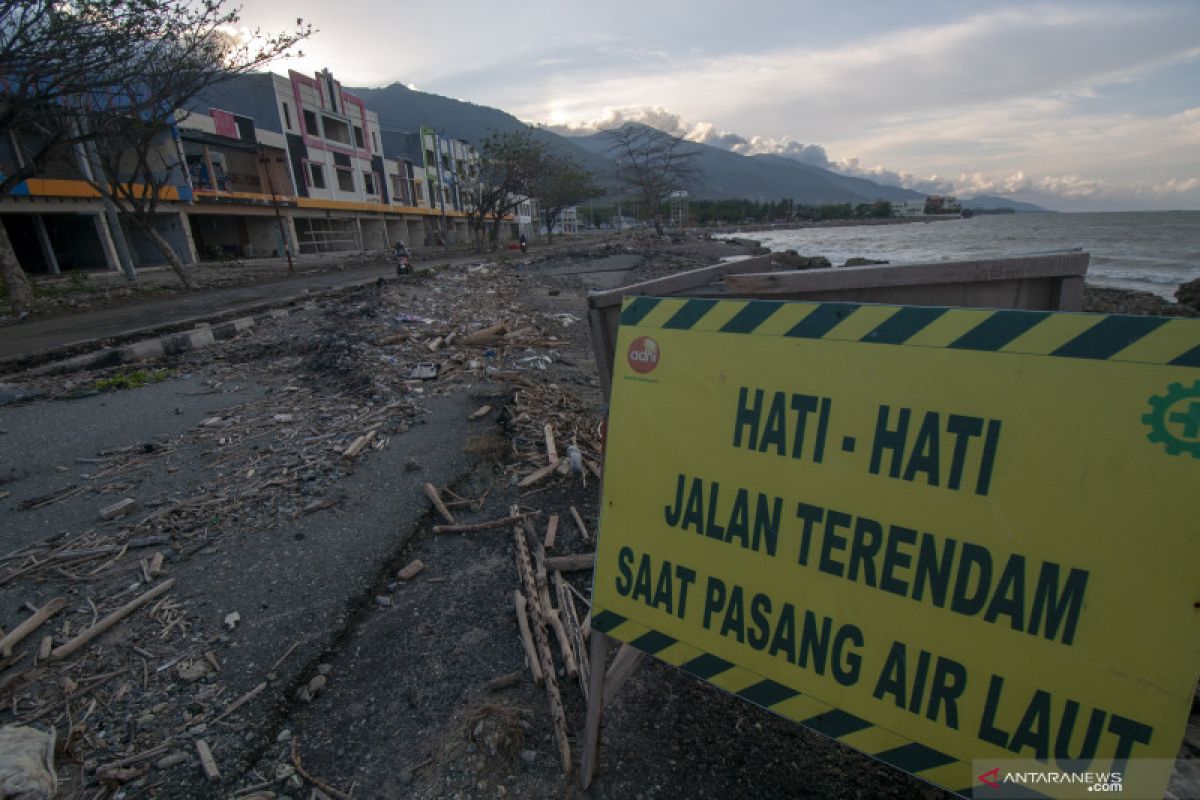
x,y
316,175
245,128
359,141
287,117
418,194
345,179
310,123
400,189
336,130
369,183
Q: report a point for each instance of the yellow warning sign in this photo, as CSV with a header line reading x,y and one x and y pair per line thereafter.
x,y
941,536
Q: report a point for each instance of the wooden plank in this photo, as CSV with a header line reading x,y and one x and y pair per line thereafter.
x,y
627,660
597,657
17,634
767,284
531,655
551,532
602,345
538,475
583,531
575,563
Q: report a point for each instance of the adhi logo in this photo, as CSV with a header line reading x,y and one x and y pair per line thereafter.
x,y
643,354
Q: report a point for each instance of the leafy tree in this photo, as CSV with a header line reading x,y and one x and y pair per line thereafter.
x,y
509,166
73,70
652,164
562,183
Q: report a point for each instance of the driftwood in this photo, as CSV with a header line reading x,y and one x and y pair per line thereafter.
x,y
80,640
575,563
551,450
317,782
538,475
480,412
411,571
570,620
557,714
358,445
17,634
207,762
480,526
145,755
535,667
583,531
503,681
551,531
436,498
553,616
241,701
486,335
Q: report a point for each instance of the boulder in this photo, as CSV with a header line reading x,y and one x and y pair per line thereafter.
x,y
1188,294
790,258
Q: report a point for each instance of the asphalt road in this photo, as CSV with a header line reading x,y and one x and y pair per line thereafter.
x,y
64,330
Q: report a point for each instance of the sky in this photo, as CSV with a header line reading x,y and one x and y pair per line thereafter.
x,y
1077,106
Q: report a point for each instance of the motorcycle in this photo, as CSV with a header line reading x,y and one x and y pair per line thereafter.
x,y
403,260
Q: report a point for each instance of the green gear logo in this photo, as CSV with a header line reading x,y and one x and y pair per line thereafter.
x,y
1174,419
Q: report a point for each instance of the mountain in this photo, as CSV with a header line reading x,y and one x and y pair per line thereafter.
x,y
725,175
988,201
404,109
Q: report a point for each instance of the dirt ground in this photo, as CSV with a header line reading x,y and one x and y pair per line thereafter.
x,y
277,479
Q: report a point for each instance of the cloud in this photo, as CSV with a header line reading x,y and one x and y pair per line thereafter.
x,y
1172,186
967,184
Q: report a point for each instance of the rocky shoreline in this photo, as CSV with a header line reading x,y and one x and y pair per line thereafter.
x,y
1097,299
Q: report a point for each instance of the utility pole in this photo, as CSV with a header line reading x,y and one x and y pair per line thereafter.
x,y
287,242
437,156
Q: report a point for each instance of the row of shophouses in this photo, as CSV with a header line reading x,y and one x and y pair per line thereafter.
x,y
267,164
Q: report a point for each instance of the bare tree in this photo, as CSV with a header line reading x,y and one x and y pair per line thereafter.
x,y
651,164
563,183
72,70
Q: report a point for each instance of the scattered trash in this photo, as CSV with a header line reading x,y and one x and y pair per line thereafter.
x,y
232,619
27,763
424,372
406,317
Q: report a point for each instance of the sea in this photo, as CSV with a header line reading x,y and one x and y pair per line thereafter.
x,y
1149,251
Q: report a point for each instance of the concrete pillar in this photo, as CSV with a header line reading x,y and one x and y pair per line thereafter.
x,y
104,234
43,236
188,254
293,243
